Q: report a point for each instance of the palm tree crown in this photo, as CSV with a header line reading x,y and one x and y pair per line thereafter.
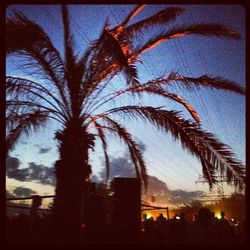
x,y
73,89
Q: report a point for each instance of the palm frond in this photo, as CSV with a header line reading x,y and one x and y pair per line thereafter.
x,y
26,38
204,81
155,83
118,51
68,40
100,65
27,90
161,92
200,143
132,14
104,146
209,172
134,149
216,82
21,107
108,59
203,29
73,69
156,87
162,17
23,124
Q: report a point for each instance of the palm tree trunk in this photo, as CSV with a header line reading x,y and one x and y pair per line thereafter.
x,y
72,172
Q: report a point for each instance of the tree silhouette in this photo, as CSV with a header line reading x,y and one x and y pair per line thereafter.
x,y
73,92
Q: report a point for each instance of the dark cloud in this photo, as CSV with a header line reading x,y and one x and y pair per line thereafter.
x,y
182,196
119,167
13,171
123,167
12,163
23,191
33,172
41,173
162,194
157,184
44,150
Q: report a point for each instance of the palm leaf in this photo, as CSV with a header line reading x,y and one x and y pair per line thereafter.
x,y
156,87
133,147
203,81
104,146
23,89
161,92
132,14
24,37
162,17
73,69
203,29
22,124
118,51
101,63
211,82
200,143
21,106
68,40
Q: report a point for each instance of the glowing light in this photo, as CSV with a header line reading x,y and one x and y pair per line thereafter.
x,y
148,216
218,215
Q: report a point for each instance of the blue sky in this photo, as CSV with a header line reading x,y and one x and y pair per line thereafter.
x,y
222,113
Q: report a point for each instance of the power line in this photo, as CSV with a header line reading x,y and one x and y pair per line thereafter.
x,y
118,22
159,149
178,185
199,99
165,141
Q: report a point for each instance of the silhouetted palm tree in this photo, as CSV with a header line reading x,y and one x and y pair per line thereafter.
x,y
73,92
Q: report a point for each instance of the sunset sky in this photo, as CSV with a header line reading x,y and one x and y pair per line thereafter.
x,y
222,113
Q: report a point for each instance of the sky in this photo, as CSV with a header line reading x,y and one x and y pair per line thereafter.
x,y
222,113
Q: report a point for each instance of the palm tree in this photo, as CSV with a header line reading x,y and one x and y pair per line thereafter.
x,y
73,93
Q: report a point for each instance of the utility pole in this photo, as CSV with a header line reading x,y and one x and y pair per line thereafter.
x,y
220,187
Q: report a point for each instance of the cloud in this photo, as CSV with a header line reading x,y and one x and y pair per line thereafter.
x,y
23,191
182,196
12,163
34,172
163,195
119,167
44,150
42,173
13,171
123,167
